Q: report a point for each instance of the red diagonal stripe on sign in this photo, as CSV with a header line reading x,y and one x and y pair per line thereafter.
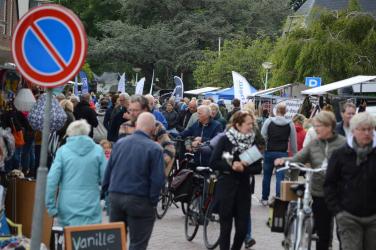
x,y
50,48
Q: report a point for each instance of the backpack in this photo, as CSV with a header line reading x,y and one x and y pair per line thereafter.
x,y
182,185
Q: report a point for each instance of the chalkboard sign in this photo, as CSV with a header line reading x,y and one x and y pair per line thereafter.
x,y
94,237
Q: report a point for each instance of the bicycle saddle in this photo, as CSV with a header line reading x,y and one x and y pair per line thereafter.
x,y
204,170
298,189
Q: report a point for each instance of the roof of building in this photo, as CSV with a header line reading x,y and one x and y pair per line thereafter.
x,y
365,5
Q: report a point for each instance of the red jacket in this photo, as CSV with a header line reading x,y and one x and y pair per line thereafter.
x,y
300,135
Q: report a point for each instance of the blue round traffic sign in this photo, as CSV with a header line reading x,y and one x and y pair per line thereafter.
x,y
49,45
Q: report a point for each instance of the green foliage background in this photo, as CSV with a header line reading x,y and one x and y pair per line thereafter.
x,y
180,37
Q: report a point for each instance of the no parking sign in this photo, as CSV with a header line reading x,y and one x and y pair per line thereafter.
x,y
49,45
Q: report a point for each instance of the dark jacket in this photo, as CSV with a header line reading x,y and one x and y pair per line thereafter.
x,y
349,187
116,119
205,132
184,117
107,118
339,129
233,111
220,119
63,130
238,179
135,167
171,118
83,111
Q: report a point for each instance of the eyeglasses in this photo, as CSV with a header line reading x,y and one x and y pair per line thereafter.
x,y
134,110
366,130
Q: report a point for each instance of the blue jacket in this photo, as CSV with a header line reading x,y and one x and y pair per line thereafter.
x,y
136,167
206,132
76,173
160,117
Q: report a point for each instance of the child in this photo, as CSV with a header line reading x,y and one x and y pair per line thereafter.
x,y
107,148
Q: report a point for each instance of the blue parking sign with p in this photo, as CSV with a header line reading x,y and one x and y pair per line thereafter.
x,y
313,82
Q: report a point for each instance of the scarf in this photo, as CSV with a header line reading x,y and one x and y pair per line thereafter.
x,y
241,142
361,153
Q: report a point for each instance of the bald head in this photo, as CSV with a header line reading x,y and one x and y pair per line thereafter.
x,y
150,101
146,122
192,106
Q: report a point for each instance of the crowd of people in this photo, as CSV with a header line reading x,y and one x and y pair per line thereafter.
x,y
128,167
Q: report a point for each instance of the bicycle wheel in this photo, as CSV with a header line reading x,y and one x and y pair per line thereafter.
x,y
184,207
305,242
192,218
164,203
289,240
211,226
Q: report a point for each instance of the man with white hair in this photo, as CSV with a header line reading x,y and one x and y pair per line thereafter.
x,y
350,185
134,178
203,130
117,117
278,133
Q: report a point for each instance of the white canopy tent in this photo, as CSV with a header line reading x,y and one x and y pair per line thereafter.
x,y
200,91
270,90
356,80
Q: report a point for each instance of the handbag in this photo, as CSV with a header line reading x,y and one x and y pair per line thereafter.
x,y
57,116
18,135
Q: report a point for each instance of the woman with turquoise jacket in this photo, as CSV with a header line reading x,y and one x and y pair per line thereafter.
x,y
73,182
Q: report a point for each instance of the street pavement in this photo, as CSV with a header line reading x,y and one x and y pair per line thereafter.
x,y
169,234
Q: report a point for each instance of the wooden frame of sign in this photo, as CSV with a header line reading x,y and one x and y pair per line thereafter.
x,y
96,236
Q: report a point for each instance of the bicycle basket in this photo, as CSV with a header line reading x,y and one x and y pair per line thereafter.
x,y
182,185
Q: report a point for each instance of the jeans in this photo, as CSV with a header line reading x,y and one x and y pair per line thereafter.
x,y
138,215
269,158
27,156
249,229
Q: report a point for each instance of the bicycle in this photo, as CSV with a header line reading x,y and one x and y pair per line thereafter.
x,y
202,208
166,198
299,216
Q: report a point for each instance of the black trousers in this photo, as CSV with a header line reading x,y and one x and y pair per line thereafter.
x,y
235,203
323,220
138,215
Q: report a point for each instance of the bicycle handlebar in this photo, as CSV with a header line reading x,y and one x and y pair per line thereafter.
x,y
299,166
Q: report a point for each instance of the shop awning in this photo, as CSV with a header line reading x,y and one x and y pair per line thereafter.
x,y
271,90
200,91
338,85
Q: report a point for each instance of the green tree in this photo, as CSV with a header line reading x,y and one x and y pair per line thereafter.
x,y
244,56
354,5
333,47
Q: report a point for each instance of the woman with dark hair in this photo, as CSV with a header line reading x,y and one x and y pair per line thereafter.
x,y
234,186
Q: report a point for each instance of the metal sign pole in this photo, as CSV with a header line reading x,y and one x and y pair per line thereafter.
x,y
39,207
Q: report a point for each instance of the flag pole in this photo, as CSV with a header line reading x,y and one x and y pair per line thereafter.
x,y
152,82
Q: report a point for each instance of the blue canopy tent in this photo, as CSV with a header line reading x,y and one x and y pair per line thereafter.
x,y
226,94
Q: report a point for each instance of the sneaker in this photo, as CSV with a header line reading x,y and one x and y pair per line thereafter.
x,y
264,202
249,243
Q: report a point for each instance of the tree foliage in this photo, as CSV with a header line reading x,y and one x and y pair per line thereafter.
x,y
170,36
244,56
332,47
